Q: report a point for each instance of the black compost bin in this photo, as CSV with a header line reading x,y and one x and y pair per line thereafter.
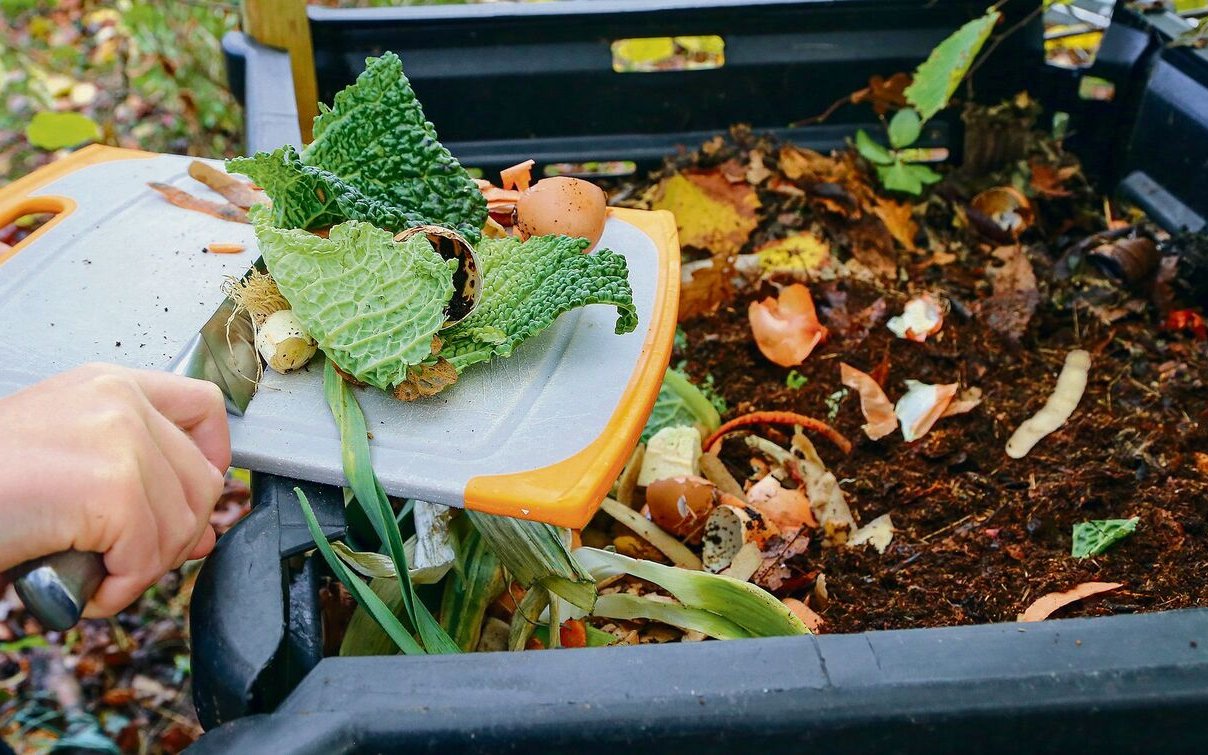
x,y
543,72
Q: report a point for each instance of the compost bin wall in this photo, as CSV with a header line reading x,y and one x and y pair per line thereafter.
x,y
1123,683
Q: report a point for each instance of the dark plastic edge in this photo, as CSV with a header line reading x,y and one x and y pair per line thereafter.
x,y
1078,685
254,617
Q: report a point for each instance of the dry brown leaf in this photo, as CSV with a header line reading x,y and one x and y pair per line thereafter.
x,y
898,219
711,212
872,246
757,172
883,93
1048,181
704,287
1044,606
799,164
238,193
1015,297
187,201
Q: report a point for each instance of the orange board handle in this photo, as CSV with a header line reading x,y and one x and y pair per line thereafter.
x,y
525,494
16,199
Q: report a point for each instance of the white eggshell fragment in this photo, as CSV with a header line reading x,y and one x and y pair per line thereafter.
x,y
283,342
921,317
671,452
921,406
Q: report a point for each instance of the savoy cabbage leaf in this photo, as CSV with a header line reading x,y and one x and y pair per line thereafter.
x,y
680,403
527,285
374,158
372,304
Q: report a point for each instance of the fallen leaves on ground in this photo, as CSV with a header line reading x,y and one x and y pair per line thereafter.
x,y
711,212
1010,307
1044,606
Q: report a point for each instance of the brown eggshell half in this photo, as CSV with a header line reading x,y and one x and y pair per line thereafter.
x,y
680,505
562,205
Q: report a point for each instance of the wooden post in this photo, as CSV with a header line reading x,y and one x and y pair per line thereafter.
x,y
283,24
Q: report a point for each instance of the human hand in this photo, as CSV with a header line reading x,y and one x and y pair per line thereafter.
x,y
123,462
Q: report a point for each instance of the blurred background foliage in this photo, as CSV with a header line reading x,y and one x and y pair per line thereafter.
x,y
150,75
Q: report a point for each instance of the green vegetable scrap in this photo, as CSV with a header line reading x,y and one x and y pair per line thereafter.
x,y
795,380
372,304
680,403
376,158
1096,536
526,286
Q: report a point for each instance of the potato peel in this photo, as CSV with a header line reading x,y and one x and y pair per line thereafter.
x,y
1071,384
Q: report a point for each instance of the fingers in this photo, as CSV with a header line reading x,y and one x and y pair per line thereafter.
x,y
204,545
195,406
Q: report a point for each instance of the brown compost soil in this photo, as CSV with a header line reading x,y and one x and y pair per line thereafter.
x,y
978,535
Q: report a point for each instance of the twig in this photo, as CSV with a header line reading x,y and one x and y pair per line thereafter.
x,y
995,42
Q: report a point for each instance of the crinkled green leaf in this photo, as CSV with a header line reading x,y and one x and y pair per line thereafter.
x,y
1096,536
374,158
371,303
526,286
681,403
937,77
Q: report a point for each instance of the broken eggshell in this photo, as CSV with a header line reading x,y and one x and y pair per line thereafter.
x,y
671,452
874,404
787,508
921,317
681,505
1007,208
730,527
786,328
921,405
467,279
562,205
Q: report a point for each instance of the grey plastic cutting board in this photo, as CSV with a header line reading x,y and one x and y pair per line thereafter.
x,y
123,279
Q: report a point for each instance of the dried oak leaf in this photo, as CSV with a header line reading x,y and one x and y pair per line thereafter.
x,y
704,286
1015,297
884,94
872,246
711,212
1048,181
898,219
800,164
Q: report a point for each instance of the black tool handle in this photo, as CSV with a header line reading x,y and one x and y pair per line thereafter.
x,y
56,588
